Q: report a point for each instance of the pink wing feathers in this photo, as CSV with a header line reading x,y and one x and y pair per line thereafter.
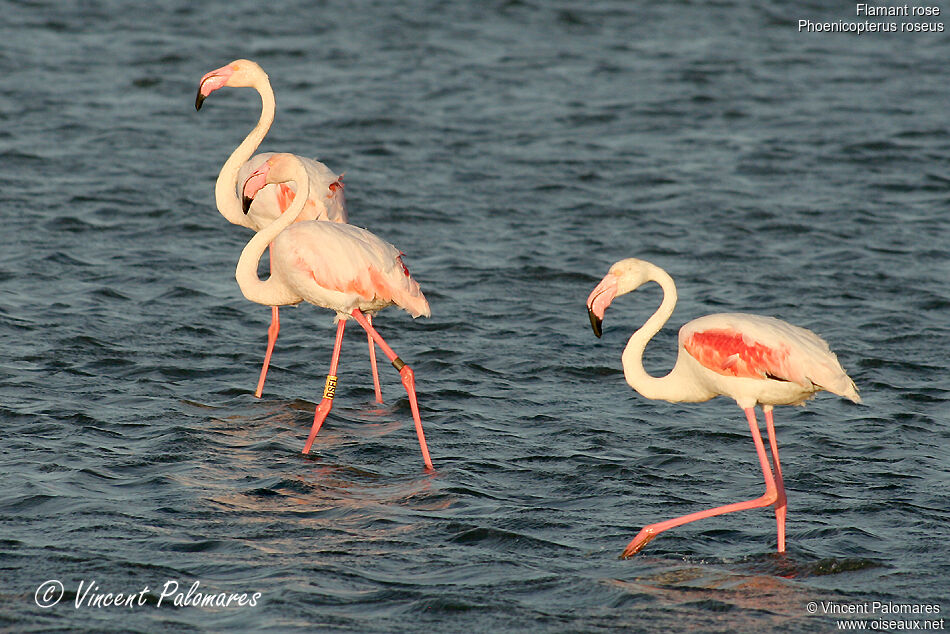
x,y
754,346
730,353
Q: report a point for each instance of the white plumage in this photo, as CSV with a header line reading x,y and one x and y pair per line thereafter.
x,y
753,359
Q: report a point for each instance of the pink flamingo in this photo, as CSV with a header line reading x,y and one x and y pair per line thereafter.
x,y
324,202
336,266
753,359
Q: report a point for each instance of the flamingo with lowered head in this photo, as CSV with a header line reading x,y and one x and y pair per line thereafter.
x,y
753,359
337,266
324,202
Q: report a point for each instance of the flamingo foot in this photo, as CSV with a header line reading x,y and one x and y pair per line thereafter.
x,y
780,511
319,416
644,537
408,378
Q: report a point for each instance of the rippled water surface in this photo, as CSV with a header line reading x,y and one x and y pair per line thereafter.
x,y
513,150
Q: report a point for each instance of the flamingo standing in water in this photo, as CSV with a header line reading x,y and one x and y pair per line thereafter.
x,y
324,202
336,266
753,359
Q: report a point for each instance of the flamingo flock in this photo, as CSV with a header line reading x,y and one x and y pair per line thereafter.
x,y
325,201
307,191
296,208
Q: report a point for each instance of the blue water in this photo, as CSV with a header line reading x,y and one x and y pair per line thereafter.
x,y
513,150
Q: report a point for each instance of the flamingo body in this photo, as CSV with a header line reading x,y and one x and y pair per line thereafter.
x,y
762,360
344,268
753,359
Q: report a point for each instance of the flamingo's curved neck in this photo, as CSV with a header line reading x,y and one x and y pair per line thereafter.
x,y
669,387
225,189
271,292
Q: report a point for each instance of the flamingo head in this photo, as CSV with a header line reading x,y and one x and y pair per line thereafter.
x,y
623,277
254,183
279,168
241,73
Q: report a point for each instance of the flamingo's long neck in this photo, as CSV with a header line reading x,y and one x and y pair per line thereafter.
x,y
669,387
271,292
225,189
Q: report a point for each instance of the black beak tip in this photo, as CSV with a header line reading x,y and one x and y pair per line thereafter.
x,y
200,99
246,203
595,323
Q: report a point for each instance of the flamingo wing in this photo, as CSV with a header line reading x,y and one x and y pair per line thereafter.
x,y
758,347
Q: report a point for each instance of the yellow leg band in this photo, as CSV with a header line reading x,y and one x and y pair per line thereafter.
x,y
329,390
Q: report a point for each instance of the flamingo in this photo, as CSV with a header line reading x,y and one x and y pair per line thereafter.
x,y
753,359
325,201
337,266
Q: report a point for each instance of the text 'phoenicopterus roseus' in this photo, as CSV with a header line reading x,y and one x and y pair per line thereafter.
x,y
336,266
325,200
753,359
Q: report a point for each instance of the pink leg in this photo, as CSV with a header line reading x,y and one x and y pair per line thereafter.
x,y
372,361
408,380
781,505
771,495
272,331
329,389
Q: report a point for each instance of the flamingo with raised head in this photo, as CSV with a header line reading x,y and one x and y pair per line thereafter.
x,y
336,266
324,202
753,359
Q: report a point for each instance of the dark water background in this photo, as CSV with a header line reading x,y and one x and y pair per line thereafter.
x,y
513,150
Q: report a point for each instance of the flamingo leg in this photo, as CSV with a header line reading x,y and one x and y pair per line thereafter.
x,y
329,389
272,331
770,497
781,505
372,362
407,376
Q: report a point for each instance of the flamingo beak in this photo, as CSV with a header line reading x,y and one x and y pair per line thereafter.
x,y
598,301
596,323
211,82
254,183
200,99
208,84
